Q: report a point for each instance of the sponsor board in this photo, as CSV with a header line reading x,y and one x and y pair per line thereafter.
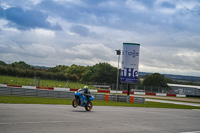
x,y
130,62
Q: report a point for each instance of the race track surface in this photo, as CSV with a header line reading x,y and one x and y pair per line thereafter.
x,y
174,102
37,118
172,98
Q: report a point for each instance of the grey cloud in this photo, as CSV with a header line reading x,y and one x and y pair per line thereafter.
x,y
168,5
27,19
170,58
90,52
81,30
117,15
147,3
66,10
39,50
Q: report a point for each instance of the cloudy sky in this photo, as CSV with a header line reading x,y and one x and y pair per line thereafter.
x,y
86,32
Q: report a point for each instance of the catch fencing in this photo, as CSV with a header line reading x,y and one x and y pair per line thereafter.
x,y
62,94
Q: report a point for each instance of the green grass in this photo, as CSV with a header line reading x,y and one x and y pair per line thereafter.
x,y
11,80
37,100
33,100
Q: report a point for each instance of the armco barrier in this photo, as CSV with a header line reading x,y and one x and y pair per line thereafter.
x,y
5,91
35,92
99,96
30,92
62,94
96,91
121,98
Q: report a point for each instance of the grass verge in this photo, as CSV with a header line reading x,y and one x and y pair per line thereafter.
x,y
11,80
37,100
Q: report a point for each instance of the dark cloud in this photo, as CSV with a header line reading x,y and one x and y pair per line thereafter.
x,y
27,19
147,3
168,5
109,13
66,10
95,2
102,13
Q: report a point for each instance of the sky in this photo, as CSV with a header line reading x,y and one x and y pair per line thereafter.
x,y
87,32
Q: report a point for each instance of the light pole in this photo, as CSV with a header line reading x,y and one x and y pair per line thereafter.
x,y
118,52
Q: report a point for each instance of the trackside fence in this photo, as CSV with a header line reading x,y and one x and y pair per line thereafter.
x,y
64,94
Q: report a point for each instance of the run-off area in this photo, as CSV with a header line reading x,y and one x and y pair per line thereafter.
x,y
23,118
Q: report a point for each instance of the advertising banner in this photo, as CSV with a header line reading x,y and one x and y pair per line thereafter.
x,y
130,62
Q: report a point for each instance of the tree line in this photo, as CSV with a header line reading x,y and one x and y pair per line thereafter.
x,y
101,72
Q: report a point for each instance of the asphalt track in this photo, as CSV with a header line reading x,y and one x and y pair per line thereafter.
x,y
38,118
173,102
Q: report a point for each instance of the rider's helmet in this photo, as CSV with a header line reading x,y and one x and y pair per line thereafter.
x,y
85,88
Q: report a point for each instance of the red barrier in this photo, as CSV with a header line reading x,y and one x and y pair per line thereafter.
x,y
125,92
150,93
39,87
172,95
74,89
49,88
14,86
104,91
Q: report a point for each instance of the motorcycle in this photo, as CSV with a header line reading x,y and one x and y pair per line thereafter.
x,y
81,100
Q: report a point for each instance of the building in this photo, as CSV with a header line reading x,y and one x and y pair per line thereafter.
x,y
190,90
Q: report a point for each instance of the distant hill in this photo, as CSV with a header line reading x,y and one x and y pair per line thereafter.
x,y
41,67
174,77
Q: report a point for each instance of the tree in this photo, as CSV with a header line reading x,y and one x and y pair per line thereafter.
x,y
21,65
104,72
87,75
2,63
60,68
3,70
155,80
75,71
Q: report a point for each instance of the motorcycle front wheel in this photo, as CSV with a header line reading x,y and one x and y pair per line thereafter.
x,y
89,106
74,103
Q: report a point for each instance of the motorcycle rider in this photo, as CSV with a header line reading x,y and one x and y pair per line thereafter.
x,y
86,93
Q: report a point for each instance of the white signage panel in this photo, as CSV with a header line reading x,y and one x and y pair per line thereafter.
x,y
130,63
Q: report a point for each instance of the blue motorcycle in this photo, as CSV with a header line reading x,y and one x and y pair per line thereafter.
x,y
81,100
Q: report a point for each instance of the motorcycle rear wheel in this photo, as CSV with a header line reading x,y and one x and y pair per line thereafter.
x,y
74,103
89,106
